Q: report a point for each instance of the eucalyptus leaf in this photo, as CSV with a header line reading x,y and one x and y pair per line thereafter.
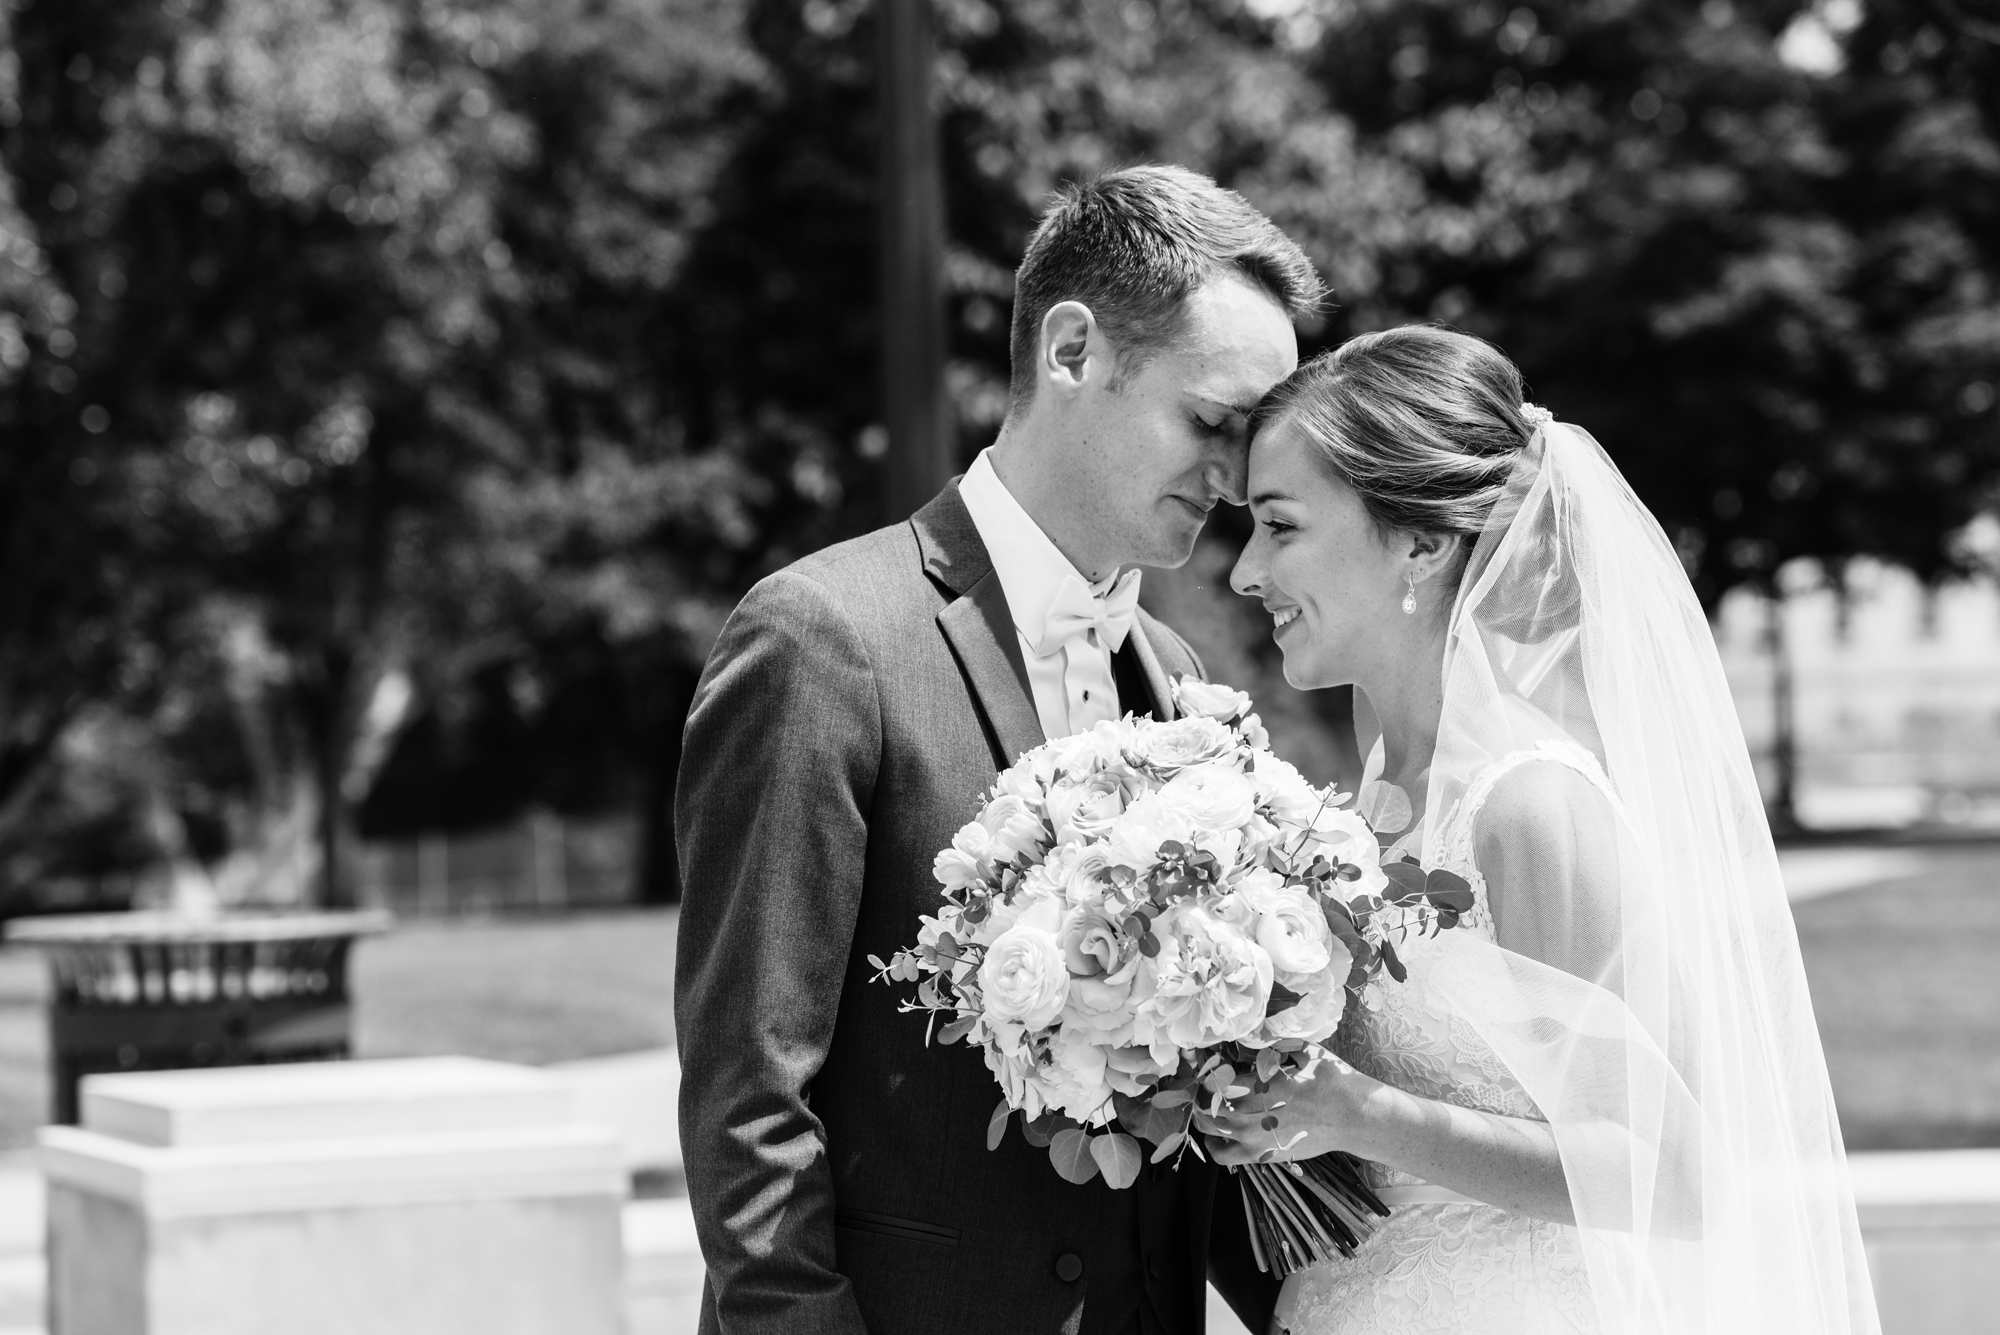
x,y
1282,999
1119,1158
1171,1098
1448,890
1070,1152
996,1125
1168,1146
1393,964
957,1029
1040,1131
1406,879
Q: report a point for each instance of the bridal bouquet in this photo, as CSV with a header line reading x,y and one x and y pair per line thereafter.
x,y
1148,920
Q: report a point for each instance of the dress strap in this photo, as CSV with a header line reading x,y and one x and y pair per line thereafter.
x,y
1561,751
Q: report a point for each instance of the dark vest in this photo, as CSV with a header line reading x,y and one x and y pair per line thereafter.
x,y
1145,1242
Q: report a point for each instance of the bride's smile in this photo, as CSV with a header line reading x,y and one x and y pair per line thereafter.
x,y
1331,577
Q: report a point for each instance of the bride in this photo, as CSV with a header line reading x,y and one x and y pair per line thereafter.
x,y
1600,1103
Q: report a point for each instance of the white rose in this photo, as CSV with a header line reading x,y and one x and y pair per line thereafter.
x,y
1211,982
1078,870
1098,747
1023,978
1073,1076
1343,837
1210,698
1136,1070
1183,742
1017,831
949,919
1317,1012
1291,926
1108,975
1028,777
1284,790
1211,797
1235,910
1260,838
1012,1069
1253,732
1135,837
1084,809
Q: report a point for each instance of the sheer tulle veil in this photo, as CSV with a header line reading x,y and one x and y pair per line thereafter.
x,y
1647,990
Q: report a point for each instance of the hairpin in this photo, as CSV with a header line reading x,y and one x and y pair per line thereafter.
x,y
1537,416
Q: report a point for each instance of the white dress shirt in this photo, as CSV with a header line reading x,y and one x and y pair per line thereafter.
x,y
1070,674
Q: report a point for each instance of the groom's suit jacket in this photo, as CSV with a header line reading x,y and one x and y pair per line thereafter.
x,y
854,712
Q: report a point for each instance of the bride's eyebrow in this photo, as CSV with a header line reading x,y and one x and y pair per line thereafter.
x,y
1266,497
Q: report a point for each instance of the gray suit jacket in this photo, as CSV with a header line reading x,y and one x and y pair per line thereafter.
x,y
853,713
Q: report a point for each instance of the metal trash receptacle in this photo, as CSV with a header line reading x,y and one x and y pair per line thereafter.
x,y
163,991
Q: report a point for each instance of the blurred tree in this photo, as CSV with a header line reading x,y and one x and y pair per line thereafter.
x,y
352,274
1700,234
364,360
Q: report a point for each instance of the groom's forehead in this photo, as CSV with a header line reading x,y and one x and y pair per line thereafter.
x,y
1236,342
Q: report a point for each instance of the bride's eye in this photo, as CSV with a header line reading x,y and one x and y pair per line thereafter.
x,y
1277,527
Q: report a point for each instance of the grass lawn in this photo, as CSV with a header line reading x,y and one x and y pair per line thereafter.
x,y
1906,985
1905,977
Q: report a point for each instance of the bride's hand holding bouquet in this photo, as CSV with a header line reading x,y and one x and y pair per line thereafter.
x,y
1151,922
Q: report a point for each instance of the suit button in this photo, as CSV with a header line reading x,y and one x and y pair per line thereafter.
x,y
1069,1267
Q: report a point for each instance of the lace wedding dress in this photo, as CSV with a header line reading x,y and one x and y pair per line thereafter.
x,y
1441,1262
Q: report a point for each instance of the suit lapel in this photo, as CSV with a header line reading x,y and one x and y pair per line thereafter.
x,y
978,624
981,630
1149,663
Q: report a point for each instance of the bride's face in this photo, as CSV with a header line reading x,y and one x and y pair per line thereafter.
x,y
1328,577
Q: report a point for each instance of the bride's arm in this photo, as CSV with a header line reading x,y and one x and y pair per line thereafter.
x,y
1511,1162
1543,838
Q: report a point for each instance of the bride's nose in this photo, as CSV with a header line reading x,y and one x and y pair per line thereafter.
x,y
1248,576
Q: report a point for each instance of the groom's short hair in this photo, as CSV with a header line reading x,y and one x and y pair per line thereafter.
x,y
1132,245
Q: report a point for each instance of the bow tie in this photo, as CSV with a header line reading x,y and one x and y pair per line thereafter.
x,y
1076,611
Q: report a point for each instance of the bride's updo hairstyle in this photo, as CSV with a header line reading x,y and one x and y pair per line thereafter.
x,y
1423,423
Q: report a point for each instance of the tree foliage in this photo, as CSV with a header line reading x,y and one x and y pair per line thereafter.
x,y
356,352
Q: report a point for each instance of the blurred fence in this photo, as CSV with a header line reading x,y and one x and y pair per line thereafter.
x,y
1895,698
543,861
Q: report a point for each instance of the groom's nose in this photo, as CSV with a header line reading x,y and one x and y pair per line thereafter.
x,y
1229,474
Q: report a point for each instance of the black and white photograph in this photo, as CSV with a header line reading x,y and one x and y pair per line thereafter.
x,y
999,667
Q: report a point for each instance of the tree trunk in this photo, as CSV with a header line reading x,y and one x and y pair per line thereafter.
x,y
336,888
922,452
1783,806
658,869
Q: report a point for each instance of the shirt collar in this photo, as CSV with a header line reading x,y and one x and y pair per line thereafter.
x,y
1031,567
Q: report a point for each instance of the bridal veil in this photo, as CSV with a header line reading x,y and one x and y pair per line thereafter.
x,y
1647,989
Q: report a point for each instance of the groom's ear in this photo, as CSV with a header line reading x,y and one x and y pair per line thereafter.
x,y
1070,342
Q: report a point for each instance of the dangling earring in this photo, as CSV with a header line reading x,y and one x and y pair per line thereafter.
x,y
1410,598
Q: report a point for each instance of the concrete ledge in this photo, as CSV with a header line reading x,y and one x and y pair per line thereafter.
x,y
248,1105
538,1164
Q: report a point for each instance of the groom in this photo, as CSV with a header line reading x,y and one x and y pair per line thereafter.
x,y
856,708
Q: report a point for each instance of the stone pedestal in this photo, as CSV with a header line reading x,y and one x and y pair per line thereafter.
x,y
1931,1222
421,1197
